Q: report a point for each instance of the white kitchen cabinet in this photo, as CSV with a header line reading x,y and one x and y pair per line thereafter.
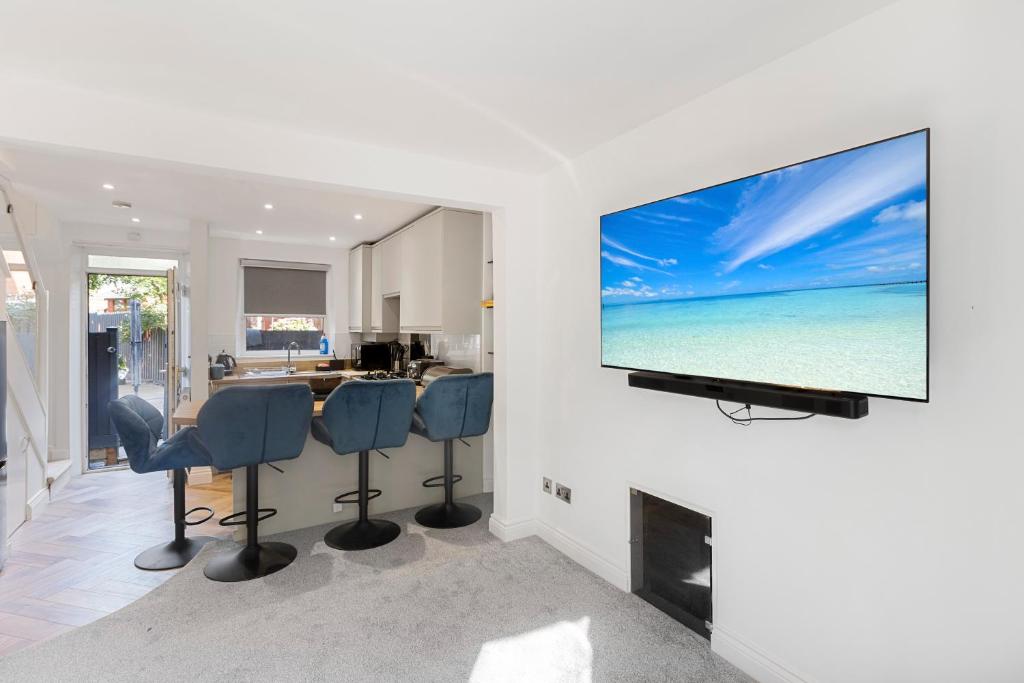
x,y
383,309
391,265
376,300
359,288
442,274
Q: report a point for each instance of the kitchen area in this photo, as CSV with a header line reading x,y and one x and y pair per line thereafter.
x,y
419,306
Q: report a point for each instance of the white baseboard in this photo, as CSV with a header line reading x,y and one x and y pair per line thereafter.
x,y
585,556
510,531
36,504
751,659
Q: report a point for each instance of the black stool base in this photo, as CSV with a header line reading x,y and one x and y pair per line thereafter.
x,y
448,515
250,562
362,534
171,555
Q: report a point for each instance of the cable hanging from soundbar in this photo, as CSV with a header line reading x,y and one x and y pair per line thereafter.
x,y
750,419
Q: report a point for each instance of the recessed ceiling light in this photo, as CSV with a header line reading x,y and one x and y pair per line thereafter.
x,y
108,186
136,220
358,216
259,232
332,238
268,207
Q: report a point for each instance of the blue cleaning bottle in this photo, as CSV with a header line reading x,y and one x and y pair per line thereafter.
x,y
324,345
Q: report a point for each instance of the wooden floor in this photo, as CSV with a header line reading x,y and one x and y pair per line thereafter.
x,y
74,564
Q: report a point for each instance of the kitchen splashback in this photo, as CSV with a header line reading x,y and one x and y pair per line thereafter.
x,y
457,350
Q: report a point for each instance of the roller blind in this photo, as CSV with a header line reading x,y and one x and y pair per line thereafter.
x,y
284,289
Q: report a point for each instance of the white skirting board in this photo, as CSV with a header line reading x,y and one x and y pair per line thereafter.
x,y
751,659
36,504
729,646
510,531
607,570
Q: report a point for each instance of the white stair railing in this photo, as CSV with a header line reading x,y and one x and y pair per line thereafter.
x,y
25,308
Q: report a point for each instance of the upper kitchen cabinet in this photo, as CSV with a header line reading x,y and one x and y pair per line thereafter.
x,y
359,288
376,301
441,273
383,311
391,265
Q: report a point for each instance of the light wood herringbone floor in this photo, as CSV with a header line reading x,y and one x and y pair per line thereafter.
x,y
74,564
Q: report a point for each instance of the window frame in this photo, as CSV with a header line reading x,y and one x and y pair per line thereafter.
x,y
240,315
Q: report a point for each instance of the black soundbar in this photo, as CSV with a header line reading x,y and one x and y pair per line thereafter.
x,y
836,404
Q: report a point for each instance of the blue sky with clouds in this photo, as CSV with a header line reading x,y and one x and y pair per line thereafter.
x,y
854,218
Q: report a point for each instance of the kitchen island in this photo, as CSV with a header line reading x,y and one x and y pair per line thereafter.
x,y
304,493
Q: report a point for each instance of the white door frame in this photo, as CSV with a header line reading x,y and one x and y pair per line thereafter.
x,y
85,250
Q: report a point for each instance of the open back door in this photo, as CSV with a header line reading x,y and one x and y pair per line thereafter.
x,y
172,392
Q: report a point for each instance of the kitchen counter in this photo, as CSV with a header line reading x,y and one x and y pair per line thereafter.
x,y
187,411
304,494
275,376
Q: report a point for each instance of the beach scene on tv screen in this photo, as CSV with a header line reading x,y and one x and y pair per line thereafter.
x,y
814,275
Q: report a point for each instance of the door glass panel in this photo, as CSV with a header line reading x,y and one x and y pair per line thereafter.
x,y
127,353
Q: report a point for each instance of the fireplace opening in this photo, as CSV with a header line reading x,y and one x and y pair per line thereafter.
x,y
671,559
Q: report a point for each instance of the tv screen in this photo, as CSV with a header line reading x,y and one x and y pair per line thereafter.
x,y
814,275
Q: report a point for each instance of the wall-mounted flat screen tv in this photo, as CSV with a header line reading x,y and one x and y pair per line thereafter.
x,y
814,275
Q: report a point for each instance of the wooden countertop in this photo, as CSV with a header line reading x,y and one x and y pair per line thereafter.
x,y
303,376
187,411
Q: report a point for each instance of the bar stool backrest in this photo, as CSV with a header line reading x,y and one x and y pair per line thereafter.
x,y
242,426
362,415
457,406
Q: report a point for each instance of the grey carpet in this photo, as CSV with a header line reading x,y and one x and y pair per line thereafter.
x,y
452,605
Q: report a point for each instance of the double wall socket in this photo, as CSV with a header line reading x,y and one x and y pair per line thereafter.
x,y
563,492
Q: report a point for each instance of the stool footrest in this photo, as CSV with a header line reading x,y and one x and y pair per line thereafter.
x,y
207,518
261,514
438,481
371,494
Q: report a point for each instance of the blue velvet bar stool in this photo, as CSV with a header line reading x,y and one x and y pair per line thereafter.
x,y
247,427
452,407
139,426
360,416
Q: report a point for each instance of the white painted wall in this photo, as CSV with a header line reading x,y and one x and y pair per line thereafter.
x,y
883,549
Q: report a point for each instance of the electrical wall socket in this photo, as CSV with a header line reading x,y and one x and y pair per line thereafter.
x,y
546,486
563,493
337,507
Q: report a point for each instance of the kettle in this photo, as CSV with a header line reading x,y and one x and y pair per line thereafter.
x,y
227,360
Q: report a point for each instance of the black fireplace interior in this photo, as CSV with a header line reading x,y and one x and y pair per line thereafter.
x,y
671,559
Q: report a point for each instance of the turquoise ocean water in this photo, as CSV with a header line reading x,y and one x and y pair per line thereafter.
x,y
870,339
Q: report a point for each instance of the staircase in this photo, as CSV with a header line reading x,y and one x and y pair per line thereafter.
x,y
24,307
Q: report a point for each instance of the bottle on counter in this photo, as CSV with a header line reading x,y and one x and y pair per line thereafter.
x,y
325,345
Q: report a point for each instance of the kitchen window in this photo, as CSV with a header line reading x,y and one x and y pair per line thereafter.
x,y
282,303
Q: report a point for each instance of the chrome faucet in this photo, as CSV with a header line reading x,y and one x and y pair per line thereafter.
x,y
298,351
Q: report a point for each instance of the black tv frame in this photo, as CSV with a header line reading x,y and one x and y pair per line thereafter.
x,y
781,387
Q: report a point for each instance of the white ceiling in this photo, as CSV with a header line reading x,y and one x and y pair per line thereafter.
x,y
518,85
166,197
